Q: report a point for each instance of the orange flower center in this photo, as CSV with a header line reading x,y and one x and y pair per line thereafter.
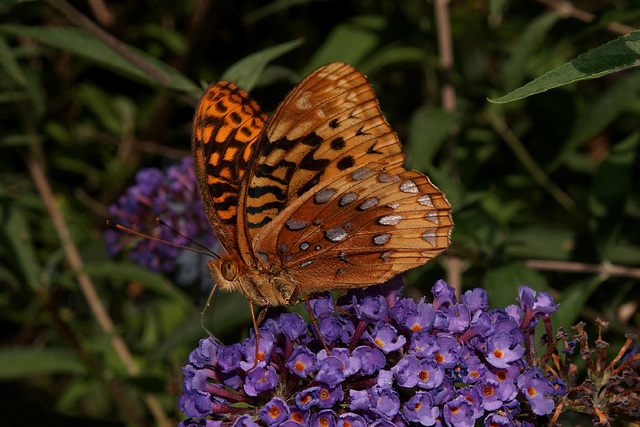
x,y
274,411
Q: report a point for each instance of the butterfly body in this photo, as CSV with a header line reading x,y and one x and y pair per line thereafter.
x,y
262,288
315,198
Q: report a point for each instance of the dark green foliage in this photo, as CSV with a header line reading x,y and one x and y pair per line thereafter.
x,y
544,179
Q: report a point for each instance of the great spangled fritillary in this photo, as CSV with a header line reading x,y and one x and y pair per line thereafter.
x,y
314,198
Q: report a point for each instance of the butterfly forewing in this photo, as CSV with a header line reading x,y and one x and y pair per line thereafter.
x,y
365,225
226,126
328,124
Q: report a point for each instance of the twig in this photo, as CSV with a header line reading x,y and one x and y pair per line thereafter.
x,y
529,162
448,100
125,404
86,286
81,20
567,9
102,12
605,269
445,50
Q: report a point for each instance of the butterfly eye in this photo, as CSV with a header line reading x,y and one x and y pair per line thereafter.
x,y
229,269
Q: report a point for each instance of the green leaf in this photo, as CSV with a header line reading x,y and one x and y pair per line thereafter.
x,y
503,283
621,53
529,43
604,110
16,238
246,72
349,42
134,272
541,242
17,140
428,129
385,56
275,7
573,300
101,104
611,188
14,96
10,65
18,363
228,313
84,44
8,3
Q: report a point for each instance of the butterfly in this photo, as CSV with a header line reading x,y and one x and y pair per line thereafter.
x,y
315,197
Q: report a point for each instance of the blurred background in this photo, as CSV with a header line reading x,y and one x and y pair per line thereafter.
x,y
91,92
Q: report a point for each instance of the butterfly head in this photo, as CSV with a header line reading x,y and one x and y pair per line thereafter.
x,y
230,273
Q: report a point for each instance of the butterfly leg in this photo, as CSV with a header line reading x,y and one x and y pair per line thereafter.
x,y
204,310
315,323
255,329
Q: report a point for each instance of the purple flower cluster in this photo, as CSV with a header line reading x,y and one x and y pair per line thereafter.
x,y
391,362
172,197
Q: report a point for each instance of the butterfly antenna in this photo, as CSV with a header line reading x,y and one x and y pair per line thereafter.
x,y
203,247
208,252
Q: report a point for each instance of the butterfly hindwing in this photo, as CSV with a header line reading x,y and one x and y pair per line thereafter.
x,y
226,126
329,123
364,226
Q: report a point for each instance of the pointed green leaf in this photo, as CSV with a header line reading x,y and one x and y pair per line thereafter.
x,y
84,44
246,72
530,40
573,300
18,363
621,53
349,42
503,283
16,238
616,100
428,130
10,65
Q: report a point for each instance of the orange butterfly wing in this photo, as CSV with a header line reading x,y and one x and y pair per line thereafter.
x,y
327,199
316,198
358,229
226,126
329,123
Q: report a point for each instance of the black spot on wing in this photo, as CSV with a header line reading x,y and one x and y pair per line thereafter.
x,y
346,163
338,143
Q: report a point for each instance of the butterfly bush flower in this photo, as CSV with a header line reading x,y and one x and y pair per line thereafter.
x,y
391,362
171,196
